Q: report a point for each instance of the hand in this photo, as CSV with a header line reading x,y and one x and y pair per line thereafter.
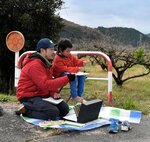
x,y
78,99
71,77
56,96
82,69
84,63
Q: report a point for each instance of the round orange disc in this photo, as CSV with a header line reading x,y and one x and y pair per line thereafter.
x,y
15,41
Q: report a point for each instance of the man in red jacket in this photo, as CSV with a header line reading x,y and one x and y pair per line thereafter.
x,y
36,83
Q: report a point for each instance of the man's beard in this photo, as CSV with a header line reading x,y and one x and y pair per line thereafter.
x,y
50,60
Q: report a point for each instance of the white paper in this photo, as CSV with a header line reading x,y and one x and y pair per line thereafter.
x,y
71,117
81,73
53,101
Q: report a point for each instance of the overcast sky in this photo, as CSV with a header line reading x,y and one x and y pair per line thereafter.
x,y
108,13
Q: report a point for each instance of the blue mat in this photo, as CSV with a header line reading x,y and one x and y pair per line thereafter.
x,y
67,124
106,113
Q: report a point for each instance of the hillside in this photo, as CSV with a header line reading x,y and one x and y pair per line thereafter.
x,y
148,35
76,32
123,36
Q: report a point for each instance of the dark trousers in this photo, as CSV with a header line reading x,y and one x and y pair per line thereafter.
x,y
40,109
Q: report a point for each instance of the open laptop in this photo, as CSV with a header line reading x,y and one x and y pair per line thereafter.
x,y
86,112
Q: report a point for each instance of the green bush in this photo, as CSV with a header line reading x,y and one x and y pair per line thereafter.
x,y
7,98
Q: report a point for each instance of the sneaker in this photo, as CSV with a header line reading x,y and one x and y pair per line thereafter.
x,y
114,127
125,126
21,110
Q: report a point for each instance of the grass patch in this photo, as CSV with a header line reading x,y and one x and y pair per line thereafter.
x,y
7,98
133,95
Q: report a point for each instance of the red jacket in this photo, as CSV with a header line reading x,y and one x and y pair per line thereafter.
x,y
69,64
36,79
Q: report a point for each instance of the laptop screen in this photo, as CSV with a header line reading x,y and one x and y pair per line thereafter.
x,y
88,111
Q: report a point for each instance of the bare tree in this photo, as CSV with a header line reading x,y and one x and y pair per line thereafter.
x,y
124,59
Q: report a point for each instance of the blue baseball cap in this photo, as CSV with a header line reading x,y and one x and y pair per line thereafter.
x,y
44,43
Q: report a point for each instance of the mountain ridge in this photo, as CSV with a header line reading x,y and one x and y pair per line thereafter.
x,y
125,35
122,35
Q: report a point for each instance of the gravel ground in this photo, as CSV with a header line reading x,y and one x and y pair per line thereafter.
x,y
14,129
